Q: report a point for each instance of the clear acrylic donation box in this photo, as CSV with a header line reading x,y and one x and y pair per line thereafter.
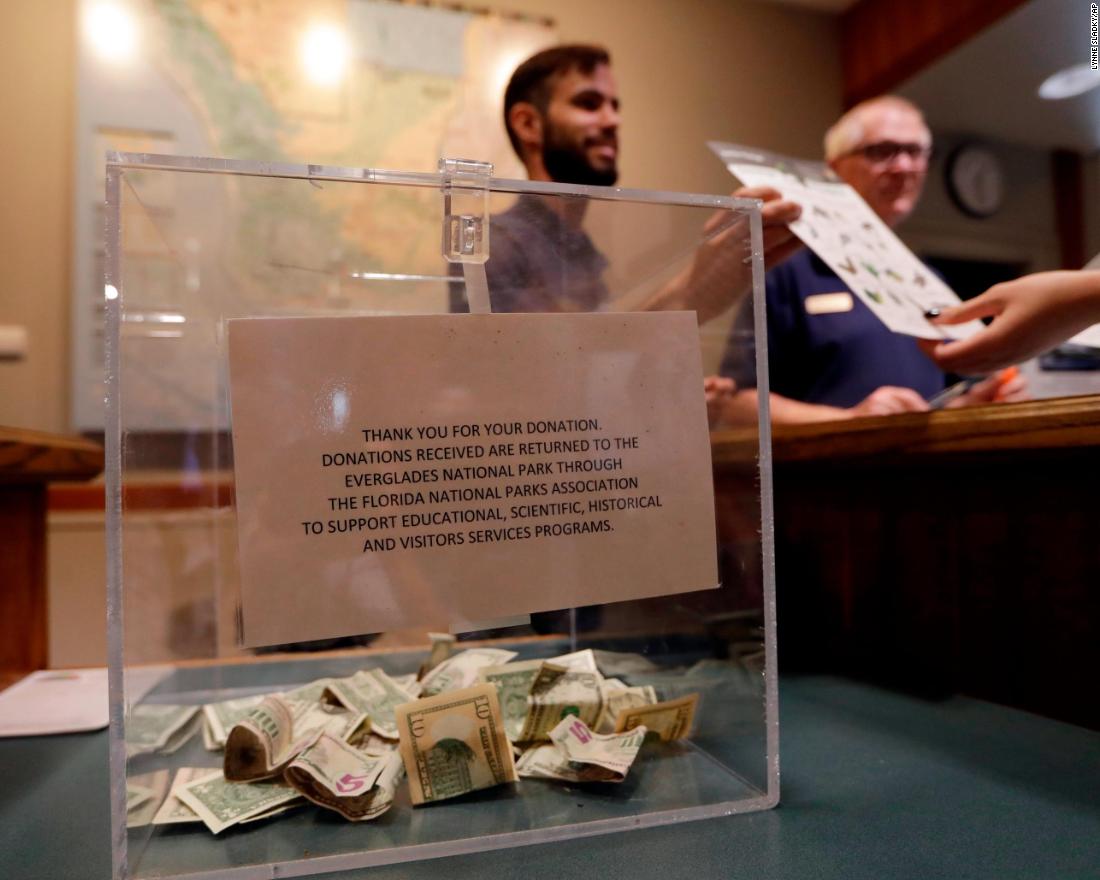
x,y
415,546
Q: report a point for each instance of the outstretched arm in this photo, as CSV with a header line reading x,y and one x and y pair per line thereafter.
x,y
1030,315
720,274
740,407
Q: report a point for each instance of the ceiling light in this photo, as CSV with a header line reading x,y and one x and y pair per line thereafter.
x,y
1070,82
111,31
325,54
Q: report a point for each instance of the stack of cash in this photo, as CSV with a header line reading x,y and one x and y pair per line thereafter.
x,y
332,741
463,722
595,725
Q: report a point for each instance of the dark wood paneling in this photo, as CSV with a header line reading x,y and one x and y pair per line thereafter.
x,y
23,612
1067,169
27,460
884,42
948,551
33,457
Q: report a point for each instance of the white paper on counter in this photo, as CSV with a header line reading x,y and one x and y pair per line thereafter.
x,y
67,700
55,701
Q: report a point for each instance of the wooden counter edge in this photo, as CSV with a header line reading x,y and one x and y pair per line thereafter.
x,y
1070,422
36,456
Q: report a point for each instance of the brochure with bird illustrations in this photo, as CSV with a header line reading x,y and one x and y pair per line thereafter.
x,y
840,227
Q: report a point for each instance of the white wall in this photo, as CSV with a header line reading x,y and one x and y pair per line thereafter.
x,y
36,104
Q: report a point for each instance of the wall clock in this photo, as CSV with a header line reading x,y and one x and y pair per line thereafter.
x,y
975,180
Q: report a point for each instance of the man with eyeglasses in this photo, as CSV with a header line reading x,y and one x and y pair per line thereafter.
x,y
829,357
882,152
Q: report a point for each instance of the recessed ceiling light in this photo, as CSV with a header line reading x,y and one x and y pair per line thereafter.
x,y
112,31
1069,82
325,54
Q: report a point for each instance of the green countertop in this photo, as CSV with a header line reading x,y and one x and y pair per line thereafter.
x,y
874,785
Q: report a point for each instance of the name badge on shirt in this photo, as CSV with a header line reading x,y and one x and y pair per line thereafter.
x,y
829,303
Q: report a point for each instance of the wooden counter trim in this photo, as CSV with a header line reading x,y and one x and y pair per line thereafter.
x,y
1062,423
35,457
167,495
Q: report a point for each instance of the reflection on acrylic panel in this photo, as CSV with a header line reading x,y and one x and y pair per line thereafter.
x,y
142,239
354,84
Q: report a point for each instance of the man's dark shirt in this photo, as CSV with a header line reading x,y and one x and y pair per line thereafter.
x,y
538,263
835,359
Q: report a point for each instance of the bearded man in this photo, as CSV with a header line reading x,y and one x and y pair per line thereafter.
x,y
561,112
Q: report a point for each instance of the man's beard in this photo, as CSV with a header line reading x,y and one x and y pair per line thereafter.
x,y
568,164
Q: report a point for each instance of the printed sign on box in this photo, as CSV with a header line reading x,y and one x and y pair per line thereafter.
x,y
426,471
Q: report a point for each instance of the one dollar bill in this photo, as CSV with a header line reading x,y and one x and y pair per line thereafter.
x,y
264,742
555,693
577,754
461,670
513,683
144,795
174,811
338,777
154,727
260,744
373,694
221,804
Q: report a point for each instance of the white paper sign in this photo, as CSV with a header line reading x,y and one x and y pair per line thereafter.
x,y
840,227
419,471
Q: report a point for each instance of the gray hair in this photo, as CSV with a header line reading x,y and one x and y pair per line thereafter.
x,y
847,132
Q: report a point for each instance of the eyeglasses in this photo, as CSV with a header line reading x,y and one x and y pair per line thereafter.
x,y
883,152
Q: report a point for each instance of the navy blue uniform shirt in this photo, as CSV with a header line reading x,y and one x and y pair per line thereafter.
x,y
835,358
